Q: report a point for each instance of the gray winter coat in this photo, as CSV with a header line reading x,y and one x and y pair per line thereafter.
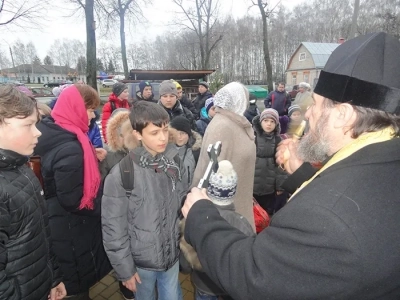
x,y
141,231
186,154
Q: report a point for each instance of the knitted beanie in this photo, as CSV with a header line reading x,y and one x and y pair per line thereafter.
x,y
143,84
209,103
118,88
205,84
269,113
182,124
168,87
222,184
293,108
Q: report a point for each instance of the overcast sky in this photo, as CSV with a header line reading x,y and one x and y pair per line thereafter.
x,y
159,14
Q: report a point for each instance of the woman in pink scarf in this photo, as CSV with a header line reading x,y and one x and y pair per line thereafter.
x,y
72,189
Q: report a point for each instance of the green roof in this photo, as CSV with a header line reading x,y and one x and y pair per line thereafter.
x,y
257,90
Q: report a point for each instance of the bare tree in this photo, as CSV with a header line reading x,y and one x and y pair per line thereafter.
x,y
265,14
4,61
356,11
22,12
202,20
119,10
88,6
19,53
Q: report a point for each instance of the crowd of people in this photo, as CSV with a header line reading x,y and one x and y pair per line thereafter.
x,y
128,200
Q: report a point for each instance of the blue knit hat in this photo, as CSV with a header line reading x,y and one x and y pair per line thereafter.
x,y
209,103
222,184
143,84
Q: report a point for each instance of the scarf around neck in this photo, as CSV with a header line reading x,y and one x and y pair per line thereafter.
x,y
362,141
70,113
159,163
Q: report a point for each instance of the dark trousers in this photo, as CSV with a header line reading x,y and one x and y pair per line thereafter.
x,y
267,202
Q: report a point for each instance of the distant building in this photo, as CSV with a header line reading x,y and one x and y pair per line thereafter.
x,y
28,73
307,62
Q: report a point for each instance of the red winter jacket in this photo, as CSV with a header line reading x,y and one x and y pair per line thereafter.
x,y
107,111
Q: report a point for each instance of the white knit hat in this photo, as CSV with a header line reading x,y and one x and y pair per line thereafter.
x,y
222,184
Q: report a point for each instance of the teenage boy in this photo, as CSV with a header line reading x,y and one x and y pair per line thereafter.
x,y
184,100
145,92
28,267
140,231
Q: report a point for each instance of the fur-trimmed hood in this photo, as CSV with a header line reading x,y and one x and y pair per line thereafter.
x,y
120,125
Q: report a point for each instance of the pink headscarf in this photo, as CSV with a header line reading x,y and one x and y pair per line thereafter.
x,y
70,114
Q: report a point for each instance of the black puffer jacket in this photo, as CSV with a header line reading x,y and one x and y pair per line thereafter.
x,y
268,177
180,110
189,105
76,234
200,101
28,267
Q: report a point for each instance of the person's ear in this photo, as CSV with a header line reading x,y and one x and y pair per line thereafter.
x,y
345,117
137,135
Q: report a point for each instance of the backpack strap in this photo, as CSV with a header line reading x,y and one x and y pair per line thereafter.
x,y
112,106
127,174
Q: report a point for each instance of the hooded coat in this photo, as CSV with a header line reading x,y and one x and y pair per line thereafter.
x,y
76,234
268,177
120,141
108,109
28,265
237,136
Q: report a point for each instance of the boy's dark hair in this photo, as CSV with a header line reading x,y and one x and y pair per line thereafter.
x,y
14,103
143,113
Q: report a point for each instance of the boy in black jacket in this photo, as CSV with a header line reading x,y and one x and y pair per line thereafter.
x,y
28,266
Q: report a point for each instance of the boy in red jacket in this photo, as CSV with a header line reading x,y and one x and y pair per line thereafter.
x,y
117,99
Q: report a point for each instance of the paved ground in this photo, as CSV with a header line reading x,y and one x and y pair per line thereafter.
x,y
108,289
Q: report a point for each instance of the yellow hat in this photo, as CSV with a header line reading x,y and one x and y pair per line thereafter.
x,y
178,86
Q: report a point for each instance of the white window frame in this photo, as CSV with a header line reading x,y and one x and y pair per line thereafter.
x,y
302,56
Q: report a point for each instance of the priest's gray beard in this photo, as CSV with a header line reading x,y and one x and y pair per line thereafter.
x,y
315,145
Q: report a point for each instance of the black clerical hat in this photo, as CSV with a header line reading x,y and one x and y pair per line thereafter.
x,y
364,71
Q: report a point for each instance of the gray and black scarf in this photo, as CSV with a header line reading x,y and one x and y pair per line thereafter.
x,y
159,163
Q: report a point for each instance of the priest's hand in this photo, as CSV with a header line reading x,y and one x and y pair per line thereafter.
x,y
195,195
286,156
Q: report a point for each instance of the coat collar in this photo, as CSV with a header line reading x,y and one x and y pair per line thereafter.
x,y
11,160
